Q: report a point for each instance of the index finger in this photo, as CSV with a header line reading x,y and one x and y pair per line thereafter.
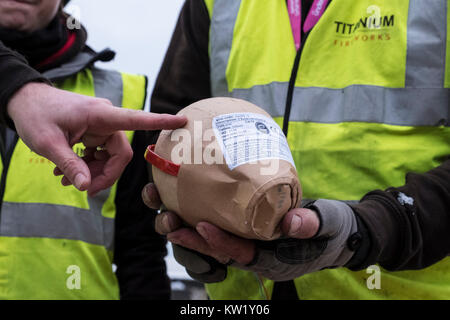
x,y
113,119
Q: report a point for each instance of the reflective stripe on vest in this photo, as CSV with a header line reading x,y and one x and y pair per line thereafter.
x,y
355,104
108,85
47,229
58,222
79,222
371,103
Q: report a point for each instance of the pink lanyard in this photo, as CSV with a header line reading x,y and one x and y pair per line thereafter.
x,y
295,15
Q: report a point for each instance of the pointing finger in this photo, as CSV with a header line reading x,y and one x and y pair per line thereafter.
x,y
112,119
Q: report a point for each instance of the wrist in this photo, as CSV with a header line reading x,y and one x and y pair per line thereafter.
x,y
19,98
380,214
360,260
338,224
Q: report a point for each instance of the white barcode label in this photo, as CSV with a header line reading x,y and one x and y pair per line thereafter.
x,y
250,137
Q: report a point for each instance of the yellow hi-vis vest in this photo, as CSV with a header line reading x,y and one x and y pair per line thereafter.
x,y
55,241
370,103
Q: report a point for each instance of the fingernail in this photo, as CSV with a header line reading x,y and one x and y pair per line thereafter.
x,y
145,196
79,180
203,232
151,197
296,224
165,224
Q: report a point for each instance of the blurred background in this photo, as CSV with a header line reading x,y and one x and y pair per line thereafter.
x,y
139,31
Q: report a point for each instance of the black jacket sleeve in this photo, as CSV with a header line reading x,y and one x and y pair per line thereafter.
x,y
139,251
184,75
14,73
396,235
182,80
408,227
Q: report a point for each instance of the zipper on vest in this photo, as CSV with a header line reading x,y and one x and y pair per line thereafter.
x,y
291,87
8,141
294,72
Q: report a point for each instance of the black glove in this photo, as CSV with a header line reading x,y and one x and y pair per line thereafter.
x,y
334,245
199,266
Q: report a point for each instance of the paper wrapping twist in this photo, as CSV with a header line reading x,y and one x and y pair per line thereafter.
x,y
230,165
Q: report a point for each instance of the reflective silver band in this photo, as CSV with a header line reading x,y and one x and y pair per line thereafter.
x,y
426,39
404,106
224,17
35,220
108,85
72,67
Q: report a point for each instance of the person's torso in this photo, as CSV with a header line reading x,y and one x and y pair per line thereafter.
x,y
55,241
370,103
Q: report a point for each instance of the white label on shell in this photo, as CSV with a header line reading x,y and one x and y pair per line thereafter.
x,y
250,137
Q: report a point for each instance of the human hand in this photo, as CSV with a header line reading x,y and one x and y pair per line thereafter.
x,y
316,238
50,121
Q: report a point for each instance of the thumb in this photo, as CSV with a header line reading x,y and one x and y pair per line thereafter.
x,y
300,223
70,164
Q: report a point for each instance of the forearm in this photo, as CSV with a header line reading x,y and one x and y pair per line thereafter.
x,y
409,226
15,73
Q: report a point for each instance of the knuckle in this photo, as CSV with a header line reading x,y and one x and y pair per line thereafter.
x,y
43,142
68,164
105,102
108,182
100,103
91,103
222,258
40,143
95,105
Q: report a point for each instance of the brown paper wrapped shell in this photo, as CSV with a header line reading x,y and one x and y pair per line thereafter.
x,y
244,201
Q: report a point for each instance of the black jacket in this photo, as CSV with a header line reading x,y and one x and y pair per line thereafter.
x,y
138,250
14,74
395,235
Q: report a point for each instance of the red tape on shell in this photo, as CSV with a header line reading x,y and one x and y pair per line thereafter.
x,y
160,163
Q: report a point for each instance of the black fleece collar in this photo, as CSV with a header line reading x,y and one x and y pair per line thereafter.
x,y
38,46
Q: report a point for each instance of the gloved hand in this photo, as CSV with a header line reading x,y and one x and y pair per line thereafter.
x,y
322,235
